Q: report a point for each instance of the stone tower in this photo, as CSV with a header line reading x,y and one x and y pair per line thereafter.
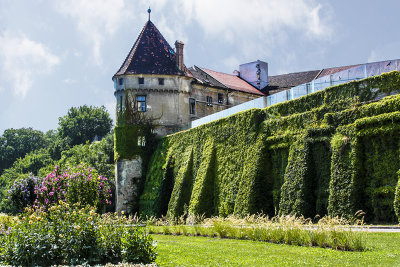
x,y
152,90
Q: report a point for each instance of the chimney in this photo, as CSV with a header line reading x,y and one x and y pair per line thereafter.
x,y
179,55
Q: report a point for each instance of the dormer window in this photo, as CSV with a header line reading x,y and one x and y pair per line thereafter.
x,y
160,81
141,80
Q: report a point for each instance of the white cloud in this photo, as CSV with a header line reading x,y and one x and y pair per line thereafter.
x,y
252,29
229,18
96,19
22,60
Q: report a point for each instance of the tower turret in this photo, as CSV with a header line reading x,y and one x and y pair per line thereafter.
x,y
151,86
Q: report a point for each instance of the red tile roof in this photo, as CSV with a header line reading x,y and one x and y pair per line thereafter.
x,y
151,54
204,78
233,82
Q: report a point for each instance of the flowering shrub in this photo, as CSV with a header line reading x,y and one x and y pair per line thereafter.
x,y
80,184
70,235
6,223
22,193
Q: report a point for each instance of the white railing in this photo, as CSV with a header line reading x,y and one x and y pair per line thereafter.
x,y
355,73
256,103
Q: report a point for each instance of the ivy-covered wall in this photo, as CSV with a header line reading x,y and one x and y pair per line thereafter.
x,y
332,152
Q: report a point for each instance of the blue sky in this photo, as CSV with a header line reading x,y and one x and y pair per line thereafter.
x,y
63,53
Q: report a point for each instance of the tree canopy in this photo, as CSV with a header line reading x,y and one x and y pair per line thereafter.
x,y
83,123
16,143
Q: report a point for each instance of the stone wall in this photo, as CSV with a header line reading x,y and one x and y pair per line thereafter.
x,y
128,174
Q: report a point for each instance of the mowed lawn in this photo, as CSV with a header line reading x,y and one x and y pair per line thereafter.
x,y
383,250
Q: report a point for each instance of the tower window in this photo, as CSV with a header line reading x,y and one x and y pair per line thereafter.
x,y
220,98
192,105
161,81
141,103
141,80
209,101
120,81
120,103
141,141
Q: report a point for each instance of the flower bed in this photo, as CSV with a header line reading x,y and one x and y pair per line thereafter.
x,y
67,234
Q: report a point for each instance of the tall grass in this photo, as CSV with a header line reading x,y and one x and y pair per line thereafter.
x,y
328,232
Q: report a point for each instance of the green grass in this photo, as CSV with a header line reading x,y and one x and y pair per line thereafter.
x,y
383,250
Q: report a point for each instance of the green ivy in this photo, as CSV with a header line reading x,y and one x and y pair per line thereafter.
x,y
203,194
276,165
340,188
159,184
126,141
255,189
319,154
296,192
180,195
321,173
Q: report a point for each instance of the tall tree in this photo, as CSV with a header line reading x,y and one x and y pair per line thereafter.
x,y
83,123
16,143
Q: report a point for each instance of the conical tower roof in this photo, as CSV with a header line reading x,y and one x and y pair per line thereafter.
x,y
151,54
